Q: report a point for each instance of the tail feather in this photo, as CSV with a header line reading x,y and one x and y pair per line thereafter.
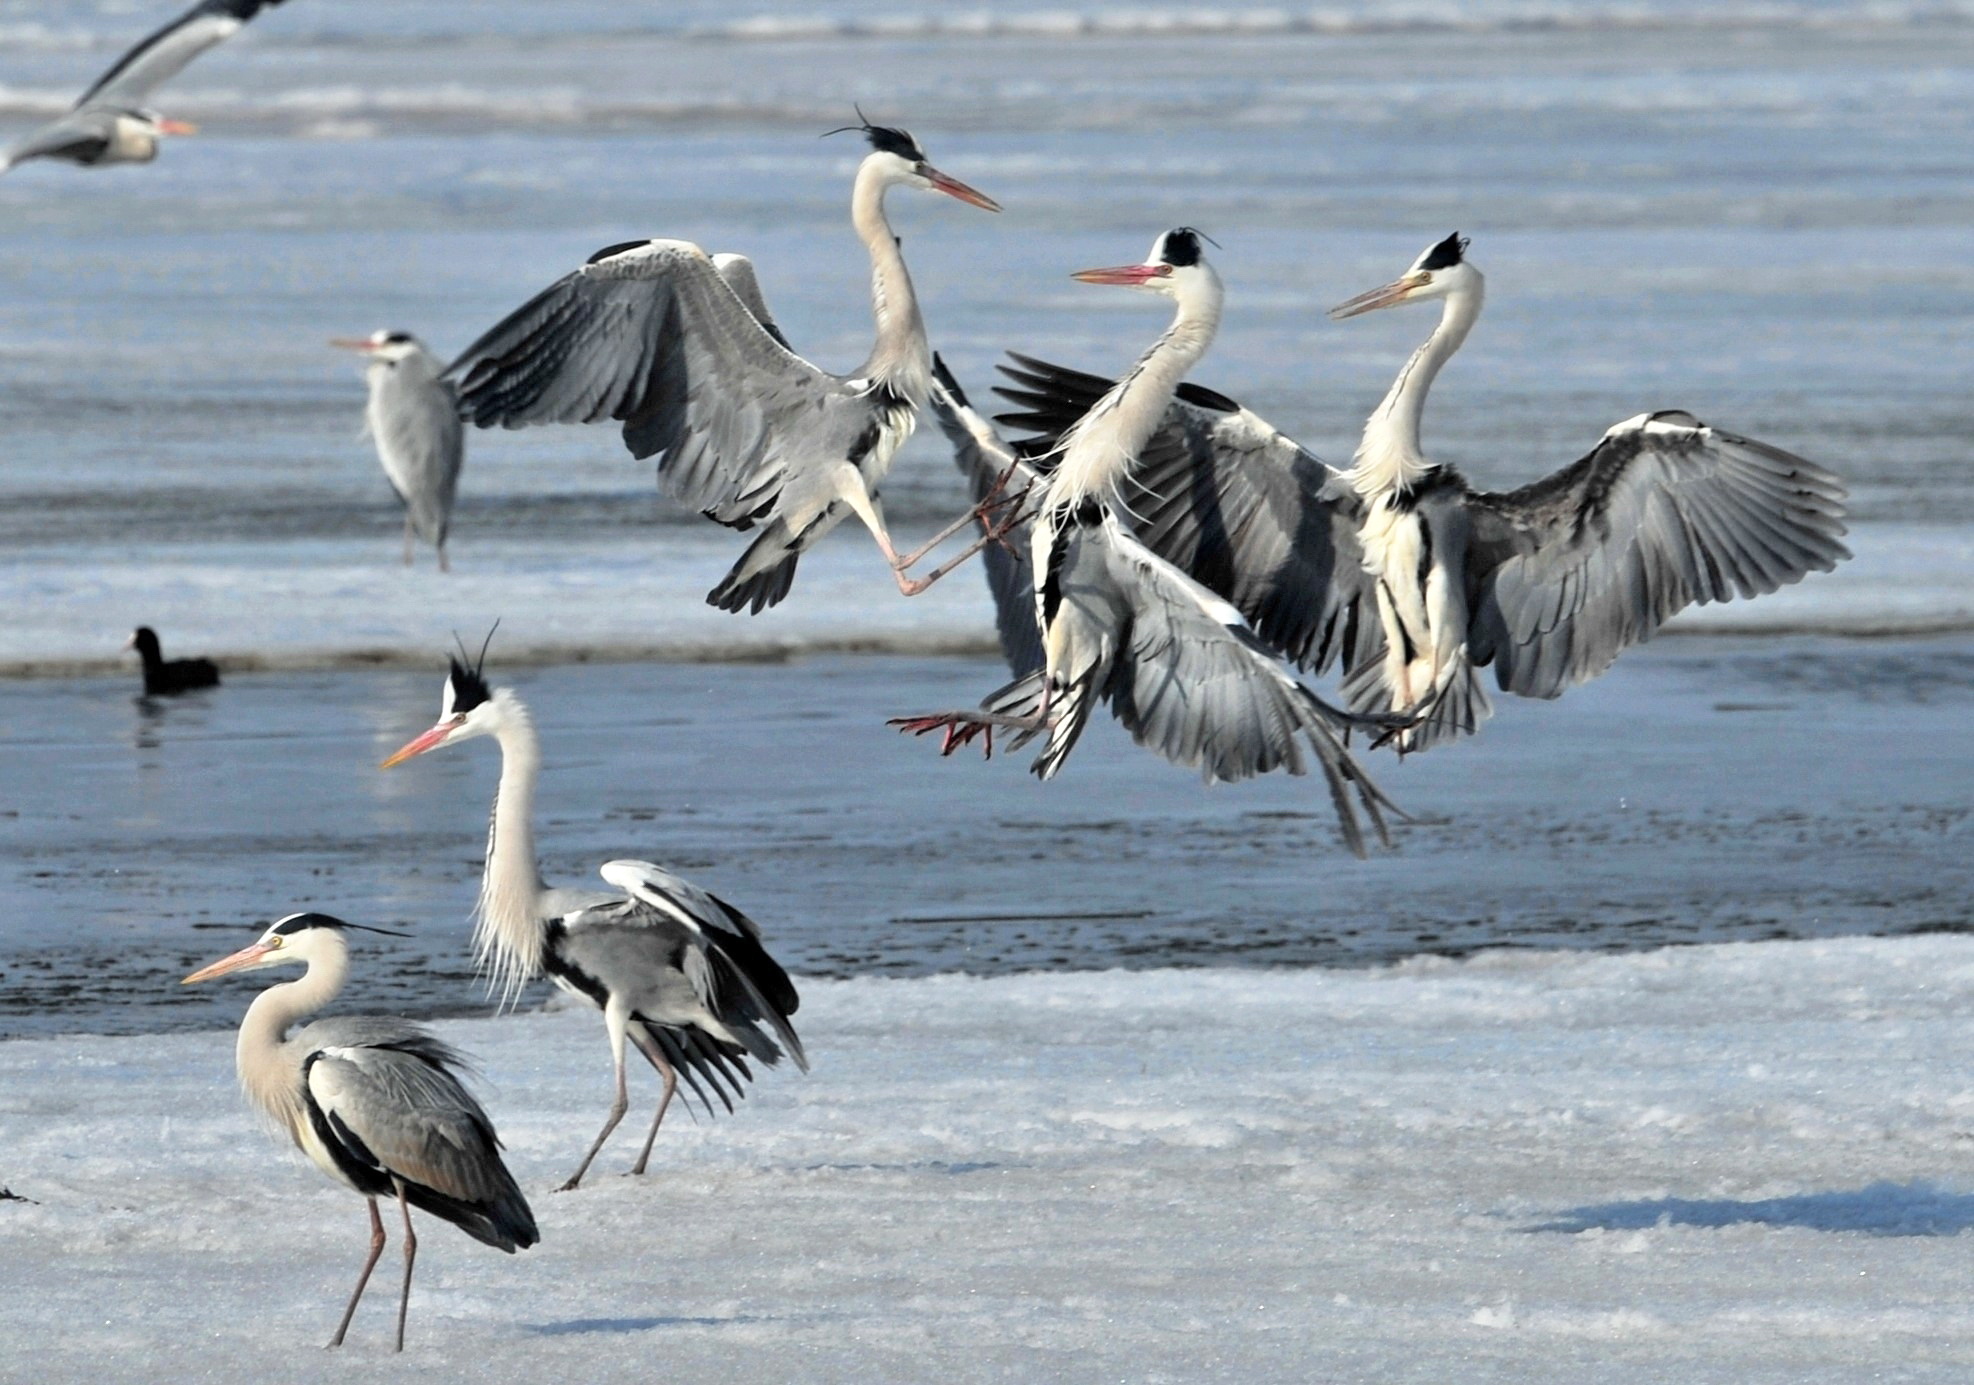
x,y
755,593
1069,707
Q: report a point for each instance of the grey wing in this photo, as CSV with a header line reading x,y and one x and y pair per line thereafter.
x,y
420,442
163,55
728,966
738,272
1664,512
983,457
1236,504
79,136
1193,682
651,336
389,1101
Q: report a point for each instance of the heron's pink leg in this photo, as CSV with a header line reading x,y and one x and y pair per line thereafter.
x,y
376,1249
410,1254
617,1109
962,727
649,1048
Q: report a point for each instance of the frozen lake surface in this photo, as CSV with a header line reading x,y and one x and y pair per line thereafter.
x,y
1705,789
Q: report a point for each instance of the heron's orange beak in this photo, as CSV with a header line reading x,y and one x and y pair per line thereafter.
x,y
1130,275
953,187
353,343
177,127
419,745
1385,296
245,957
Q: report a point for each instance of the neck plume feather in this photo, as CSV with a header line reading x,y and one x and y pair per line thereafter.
x,y
1389,459
901,356
270,1075
508,924
1100,448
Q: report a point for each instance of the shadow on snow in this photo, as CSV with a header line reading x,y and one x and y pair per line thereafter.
x,y
1880,1209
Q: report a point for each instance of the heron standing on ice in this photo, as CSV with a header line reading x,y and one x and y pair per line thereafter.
x,y
413,417
374,1102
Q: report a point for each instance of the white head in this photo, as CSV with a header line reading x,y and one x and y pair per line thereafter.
x,y
298,939
1441,272
467,708
151,126
896,158
1176,268
381,346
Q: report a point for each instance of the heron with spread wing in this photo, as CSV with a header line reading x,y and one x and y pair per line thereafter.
x,y
111,122
678,347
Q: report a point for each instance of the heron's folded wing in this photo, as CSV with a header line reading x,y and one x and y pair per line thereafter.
x,y
1664,512
1193,682
984,457
1237,505
420,439
160,56
651,335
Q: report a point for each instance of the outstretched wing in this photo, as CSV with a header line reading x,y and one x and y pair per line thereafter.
x,y
1664,512
738,272
651,335
984,457
730,966
162,55
79,136
1236,504
1193,682
389,1105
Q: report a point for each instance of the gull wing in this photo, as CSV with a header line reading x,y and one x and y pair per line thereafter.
x,y
1663,513
1236,504
650,334
163,54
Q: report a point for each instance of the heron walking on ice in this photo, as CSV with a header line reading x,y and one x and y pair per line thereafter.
x,y
679,348
1416,580
374,1102
678,973
413,417
1102,617
110,123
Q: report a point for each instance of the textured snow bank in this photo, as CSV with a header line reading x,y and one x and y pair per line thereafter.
x,y
1734,1163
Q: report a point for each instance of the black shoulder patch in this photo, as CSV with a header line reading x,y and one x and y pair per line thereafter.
x,y
610,251
1204,398
1446,254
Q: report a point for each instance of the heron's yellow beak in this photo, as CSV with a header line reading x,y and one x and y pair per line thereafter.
x,y
245,957
1386,296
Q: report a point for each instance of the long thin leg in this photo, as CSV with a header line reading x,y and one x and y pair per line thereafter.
x,y
445,563
850,487
410,1254
407,539
618,1025
649,1048
369,1264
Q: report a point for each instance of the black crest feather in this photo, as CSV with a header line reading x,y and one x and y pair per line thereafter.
x,y
1446,254
466,687
1181,246
885,139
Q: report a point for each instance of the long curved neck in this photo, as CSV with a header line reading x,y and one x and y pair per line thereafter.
x,y
266,1072
509,925
1389,460
901,356
1099,449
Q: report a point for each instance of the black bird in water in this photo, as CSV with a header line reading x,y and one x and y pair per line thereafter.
x,y
168,677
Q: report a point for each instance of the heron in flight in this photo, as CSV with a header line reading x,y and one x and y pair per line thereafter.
x,y
678,347
111,122
374,1102
678,973
413,417
1092,614
1415,579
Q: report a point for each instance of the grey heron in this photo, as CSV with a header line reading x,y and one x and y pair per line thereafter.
x,y
1417,580
677,346
168,677
679,973
373,1102
110,123
413,417
1093,614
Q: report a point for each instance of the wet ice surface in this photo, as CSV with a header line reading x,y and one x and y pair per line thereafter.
x,y
1705,789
